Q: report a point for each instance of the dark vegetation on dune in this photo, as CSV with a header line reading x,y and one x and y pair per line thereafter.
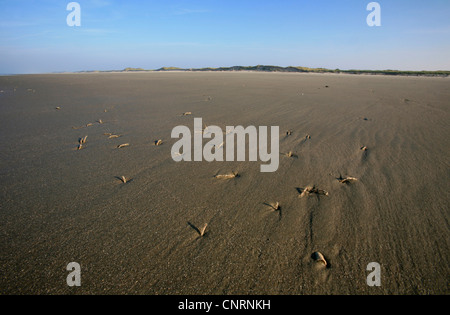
x,y
263,68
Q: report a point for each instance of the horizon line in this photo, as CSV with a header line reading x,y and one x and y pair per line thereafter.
x,y
258,68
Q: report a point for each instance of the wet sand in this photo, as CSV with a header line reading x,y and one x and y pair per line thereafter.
x,y
59,204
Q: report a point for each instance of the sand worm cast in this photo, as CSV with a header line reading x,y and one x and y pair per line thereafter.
x,y
228,176
83,140
318,257
311,190
201,231
275,206
346,180
291,155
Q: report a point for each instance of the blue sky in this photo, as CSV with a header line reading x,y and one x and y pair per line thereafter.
x,y
35,38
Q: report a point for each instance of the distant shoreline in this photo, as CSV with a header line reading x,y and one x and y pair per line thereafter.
x,y
261,68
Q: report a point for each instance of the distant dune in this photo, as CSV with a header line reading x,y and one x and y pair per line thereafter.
x,y
262,68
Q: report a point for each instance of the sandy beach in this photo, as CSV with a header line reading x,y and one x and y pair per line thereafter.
x,y
62,203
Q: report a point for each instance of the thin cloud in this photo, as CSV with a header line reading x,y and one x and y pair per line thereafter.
x,y
98,31
11,23
14,37
430,31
